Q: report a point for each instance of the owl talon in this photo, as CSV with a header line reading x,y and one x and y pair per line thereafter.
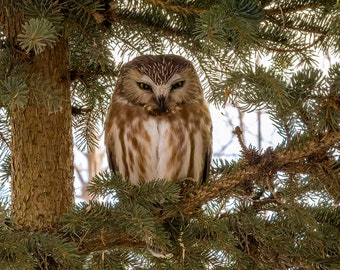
x,y
159,253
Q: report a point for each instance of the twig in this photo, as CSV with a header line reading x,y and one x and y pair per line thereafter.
x,y
301,49
293,8
175,7
2,138
80,110
238,132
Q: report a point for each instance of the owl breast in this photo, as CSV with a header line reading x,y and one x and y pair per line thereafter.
x,y
151,147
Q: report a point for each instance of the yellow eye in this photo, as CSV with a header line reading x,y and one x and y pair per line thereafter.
x,y
144,86
177,85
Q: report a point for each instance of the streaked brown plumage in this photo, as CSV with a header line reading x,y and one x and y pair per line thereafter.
x,y
158,124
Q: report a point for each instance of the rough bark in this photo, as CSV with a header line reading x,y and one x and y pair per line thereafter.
x,y
42,159
41,146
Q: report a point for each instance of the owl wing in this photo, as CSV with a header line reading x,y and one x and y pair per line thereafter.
x,y
206,165
109,143
110,159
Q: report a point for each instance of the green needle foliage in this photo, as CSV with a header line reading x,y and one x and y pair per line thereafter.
x,y
37,34
275,208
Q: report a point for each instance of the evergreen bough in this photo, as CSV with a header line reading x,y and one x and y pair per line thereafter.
x,y
274,208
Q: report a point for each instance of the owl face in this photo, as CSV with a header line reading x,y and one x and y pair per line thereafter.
x,y
160,84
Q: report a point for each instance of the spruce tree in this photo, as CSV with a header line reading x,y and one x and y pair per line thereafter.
x,y
274,208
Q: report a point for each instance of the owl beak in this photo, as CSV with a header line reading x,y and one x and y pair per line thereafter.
x,y
161,101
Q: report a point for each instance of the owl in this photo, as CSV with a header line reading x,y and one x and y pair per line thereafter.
x,y
158,124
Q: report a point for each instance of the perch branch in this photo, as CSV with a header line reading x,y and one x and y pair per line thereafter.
x,y
271,163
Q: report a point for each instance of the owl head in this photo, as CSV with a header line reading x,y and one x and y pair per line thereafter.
x,y
161,84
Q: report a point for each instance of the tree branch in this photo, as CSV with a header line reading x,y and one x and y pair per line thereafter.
x,y
271,163
108,239
293,8
80,110
3,138
175,8
300,49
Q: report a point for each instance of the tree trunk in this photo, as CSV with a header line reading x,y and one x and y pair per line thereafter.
x,y
42,153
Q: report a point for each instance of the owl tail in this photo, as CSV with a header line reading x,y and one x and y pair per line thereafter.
x,y
159,253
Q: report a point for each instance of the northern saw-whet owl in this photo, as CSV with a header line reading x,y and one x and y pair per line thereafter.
x,y
158,125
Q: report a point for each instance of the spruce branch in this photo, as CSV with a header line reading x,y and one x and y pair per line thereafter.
x,y
272,162
126,15
296,48
285,25
108,239
278,10
295,158
87,10
175,8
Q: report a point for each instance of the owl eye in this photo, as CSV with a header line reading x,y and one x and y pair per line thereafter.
x,y
144,86
177,85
